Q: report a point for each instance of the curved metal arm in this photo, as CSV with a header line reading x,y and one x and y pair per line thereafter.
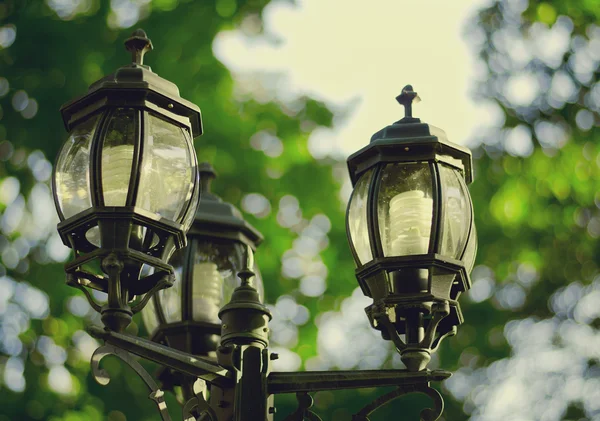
x,y
186,363
427,414
198,404
165,281
379,313
305,402
102,377
72,282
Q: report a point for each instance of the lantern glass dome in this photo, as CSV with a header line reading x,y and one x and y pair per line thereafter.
x,y
155,172
72,171
405,217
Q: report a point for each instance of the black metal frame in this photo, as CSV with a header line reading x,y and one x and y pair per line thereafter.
x,y
242,386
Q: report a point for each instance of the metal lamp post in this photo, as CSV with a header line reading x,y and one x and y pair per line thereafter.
x,y
126,190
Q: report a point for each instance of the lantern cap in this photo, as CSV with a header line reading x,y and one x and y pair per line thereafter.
x,y
408,140
133,85
218,219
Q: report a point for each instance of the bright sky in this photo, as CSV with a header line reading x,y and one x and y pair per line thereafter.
x,y
357,54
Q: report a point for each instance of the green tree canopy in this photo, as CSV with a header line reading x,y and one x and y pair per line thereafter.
x,y
527,347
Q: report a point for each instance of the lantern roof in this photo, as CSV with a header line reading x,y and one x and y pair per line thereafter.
x,y
408,139
133,85
218,219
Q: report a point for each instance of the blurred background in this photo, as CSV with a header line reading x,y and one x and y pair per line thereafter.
x,y
288,89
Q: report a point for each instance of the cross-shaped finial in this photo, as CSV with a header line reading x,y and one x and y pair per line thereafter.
x,y
138,44
406,98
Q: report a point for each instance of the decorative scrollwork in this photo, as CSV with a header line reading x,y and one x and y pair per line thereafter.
x,y
102,377
305,402
199,405
427,414
73,282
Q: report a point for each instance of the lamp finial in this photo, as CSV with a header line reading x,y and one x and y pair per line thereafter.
x,y
406,98
138,44
207,175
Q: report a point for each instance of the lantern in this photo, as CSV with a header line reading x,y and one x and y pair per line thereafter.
x,y
411,232
220,242
126,183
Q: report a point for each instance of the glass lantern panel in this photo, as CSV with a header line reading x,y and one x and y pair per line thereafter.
x,y
471,250
195,201
117,156
168,170
216,266
456,223
72,176
405,208
357,219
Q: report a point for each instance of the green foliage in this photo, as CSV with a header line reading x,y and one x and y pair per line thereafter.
x,y
55,55
536,199
536,209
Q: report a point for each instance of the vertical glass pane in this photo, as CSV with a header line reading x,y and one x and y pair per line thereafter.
x,y
405,208
471,250
207,291
189,217
168,170
357,219
455,198
72,176
117,156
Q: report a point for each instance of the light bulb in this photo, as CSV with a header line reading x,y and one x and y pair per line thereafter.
x,y
207,292
116,171
410,223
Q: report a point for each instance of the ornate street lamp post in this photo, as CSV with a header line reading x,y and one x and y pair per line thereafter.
x,y
126,191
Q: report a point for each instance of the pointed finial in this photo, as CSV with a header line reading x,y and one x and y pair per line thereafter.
x,y
406,98
246,274
207,175
138,44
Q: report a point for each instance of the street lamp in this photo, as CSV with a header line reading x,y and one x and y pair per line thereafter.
x,y
411,232
126,190
126,184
